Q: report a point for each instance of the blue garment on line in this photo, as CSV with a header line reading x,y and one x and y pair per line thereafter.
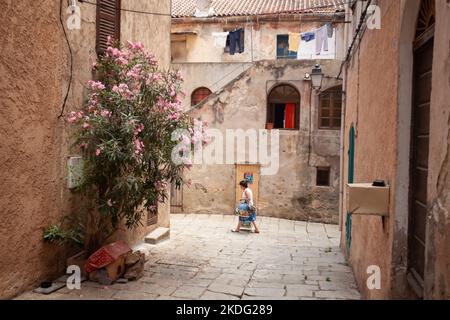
x,y
236,41
308,36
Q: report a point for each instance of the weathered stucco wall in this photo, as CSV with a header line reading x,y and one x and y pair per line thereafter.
x,y
152,30
381,114
213,76
437,282
35,144
33,71
291,193
371,109
260,39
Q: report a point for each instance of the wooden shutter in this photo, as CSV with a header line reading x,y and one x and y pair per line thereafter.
x,y
108,23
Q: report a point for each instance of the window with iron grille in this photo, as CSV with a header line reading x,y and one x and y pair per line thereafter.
x,y
107,24
330,106
199,95
323,176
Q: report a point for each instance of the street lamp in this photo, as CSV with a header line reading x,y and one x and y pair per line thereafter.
x,y
316,77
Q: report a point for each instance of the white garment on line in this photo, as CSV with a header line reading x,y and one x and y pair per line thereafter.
x,y
321,39
307,50
220,39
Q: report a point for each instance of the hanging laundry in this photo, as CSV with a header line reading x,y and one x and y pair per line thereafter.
x,y
220,39
294,40
321,39
289,116
308,36
236,41
330,29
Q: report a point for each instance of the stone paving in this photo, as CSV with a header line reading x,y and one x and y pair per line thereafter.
x,y
205,260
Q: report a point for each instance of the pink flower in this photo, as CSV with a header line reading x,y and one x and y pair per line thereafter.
x,y
109,203
160,186
138,129
138,146
72,117
86,125
138,46
98,151
135,73
123,90
119,56
122,61
105,113
96,85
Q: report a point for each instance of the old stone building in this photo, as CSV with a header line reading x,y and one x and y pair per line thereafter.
x,y
249,89
37,63
396,129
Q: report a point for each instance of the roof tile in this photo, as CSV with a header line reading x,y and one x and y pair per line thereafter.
x,y
225,8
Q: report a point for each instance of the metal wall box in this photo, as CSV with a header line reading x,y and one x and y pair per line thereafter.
x,y
365,199
74,172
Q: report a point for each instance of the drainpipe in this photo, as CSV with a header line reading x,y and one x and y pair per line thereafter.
x,y
341,154
342,137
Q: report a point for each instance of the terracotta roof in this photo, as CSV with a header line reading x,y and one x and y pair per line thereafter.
x,y
226,8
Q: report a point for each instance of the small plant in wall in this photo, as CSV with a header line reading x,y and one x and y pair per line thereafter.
x,y
125,135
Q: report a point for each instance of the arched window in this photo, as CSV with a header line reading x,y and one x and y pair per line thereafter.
x,y
283,110
199,95
330,107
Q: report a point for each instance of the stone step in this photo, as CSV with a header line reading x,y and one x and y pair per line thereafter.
x,y
158,235
145,248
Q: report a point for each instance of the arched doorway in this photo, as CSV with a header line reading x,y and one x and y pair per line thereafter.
x,y
283,107
420,129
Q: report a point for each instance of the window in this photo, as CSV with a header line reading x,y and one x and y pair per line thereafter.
x,y
283,48
283,111
330,106
178,46
323,177
199,95
108,23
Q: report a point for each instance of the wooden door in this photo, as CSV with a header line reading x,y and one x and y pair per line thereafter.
x,y
423,60
251,174
176,198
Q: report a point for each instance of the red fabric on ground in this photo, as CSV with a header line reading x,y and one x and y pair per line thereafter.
x,y
106,255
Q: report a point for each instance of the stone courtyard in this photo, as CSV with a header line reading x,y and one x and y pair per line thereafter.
x,y
204,260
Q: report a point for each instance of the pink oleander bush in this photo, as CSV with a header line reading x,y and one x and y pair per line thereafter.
x,y
124,133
